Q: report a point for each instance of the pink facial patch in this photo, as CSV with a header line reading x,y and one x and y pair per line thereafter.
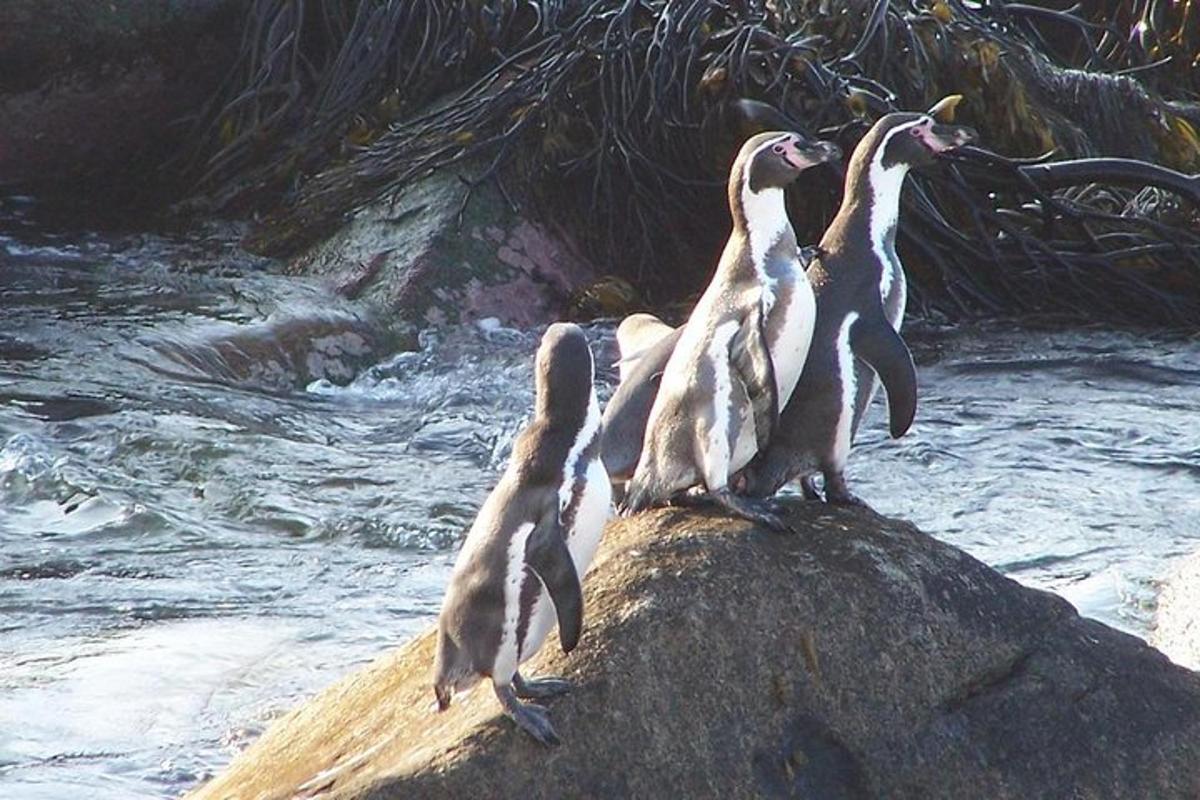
x,y
789,150
933,141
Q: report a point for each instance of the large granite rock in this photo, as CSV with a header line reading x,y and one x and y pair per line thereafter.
x,y
1177,619
440,252
280,354
859,658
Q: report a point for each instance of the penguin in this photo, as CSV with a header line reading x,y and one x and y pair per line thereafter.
x,y
742,349
861,294
519,570
644,343
623,426
636,335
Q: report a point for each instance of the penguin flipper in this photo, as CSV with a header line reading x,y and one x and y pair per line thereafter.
x,y
877,343
546,553
752,362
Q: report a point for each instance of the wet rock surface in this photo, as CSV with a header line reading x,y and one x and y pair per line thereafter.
x,y
858,658
282,354
442,252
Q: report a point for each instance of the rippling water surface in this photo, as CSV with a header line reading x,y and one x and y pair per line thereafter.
x,y
183,553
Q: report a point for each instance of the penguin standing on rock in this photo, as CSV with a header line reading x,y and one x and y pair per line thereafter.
x,y
861,293
741,352
520,567
637,336
645,343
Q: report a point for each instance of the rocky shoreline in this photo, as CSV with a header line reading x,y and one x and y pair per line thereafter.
x,y
858,658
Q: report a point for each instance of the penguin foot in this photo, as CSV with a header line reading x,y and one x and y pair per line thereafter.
x,y
532,719
764,512
838,494
690,499
808,488
637,498
537,688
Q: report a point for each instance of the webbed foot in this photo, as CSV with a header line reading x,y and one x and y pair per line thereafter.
x,y
538,688
838,494
808,488
532,719
690,499
764,512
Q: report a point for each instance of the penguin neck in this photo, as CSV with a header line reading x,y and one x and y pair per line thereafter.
x,y
566,412
563,427
871,201
761,219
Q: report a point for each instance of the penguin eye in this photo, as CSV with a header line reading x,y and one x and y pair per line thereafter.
x,y
916,132
777,149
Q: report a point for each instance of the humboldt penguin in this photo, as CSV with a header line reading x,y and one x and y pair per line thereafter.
x,y
741,351
861,295
636,336
520,567
641,368
644,343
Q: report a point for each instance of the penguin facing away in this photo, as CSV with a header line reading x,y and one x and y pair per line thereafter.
x,y
625,414
861,294
519,570
741,351
636,336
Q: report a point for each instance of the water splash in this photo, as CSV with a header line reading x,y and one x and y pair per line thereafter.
x,y
233,546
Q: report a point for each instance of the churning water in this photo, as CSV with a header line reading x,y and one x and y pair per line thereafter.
x,y
189,544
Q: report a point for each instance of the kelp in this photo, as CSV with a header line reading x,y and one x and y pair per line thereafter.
x,y
616,119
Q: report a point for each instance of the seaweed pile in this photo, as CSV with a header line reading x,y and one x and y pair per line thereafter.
x,y
616,119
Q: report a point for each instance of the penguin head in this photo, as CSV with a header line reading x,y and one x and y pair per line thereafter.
x,y
914,140
563,374
774,159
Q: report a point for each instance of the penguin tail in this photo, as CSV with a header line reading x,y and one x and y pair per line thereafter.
x,y
445,667
443,695
638,497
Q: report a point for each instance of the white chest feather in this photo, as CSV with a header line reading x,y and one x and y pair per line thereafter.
x,y
585,497
717,452
886,184
849,393
789,349
766,221
514,577
592,510
591,426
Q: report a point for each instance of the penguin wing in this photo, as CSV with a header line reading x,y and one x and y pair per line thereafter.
x,y
751,360
628,410
547,555
877,343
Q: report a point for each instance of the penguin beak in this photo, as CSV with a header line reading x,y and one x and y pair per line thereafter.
x,y
803,154
940,138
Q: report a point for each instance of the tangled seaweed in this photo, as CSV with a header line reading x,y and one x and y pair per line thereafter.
x,y
617,119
